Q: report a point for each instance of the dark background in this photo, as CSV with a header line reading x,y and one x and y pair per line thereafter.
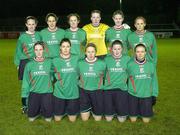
x,y
13,12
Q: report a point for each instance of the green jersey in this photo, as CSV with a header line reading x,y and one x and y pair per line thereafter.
x,y
148,39
91,74
78,40
116,73
24,48
121,34
37,77
141,77
66,86
52,40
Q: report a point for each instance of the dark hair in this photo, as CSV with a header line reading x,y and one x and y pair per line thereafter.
x,y
53,15
39,43
118,12
91,45
117,42
140,17
96,11
65,40
31,17
139,45
73,14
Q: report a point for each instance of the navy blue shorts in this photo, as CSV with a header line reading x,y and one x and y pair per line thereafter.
x,y
65,106
21,68
91,101
140,106
40,104
115,102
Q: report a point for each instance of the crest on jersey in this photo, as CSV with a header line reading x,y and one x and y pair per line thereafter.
x,y
74,36
141,70
141,38
68,64
91,69
40,67
33,39
53,36
117,35
118,64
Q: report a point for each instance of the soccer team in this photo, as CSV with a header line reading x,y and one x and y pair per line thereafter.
x,y
99,70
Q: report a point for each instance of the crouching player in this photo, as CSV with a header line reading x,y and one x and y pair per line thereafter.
x,y
91,71
115,89
37,85
140,86
66,91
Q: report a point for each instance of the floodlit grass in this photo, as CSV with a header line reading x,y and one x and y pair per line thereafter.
x,y
165,122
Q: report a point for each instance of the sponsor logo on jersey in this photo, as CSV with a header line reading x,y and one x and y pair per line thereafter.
x,y
90,74
95,36
52,42
40,73
74,41
68,70
143,76
116,69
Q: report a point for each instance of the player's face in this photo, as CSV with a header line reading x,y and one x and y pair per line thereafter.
x,y
39,51
51,22
65,48
117,50
31,25
118,19
73,22
95,19
90,53
140,53
140,24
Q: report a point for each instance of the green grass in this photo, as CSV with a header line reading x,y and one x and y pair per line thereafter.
x,y
165,122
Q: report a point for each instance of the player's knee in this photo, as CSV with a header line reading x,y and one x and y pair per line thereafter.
x,y
97,118
72,118
48,119
57,118
146,120
122,118
133,119
109,118
85,116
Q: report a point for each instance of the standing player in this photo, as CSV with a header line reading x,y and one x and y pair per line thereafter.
x,y
76,35
115,89
52,35
66,91
141,73
147,38
91,71
24,49
95,33
118,31
37,85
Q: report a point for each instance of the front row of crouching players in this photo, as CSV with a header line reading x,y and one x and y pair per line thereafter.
x,y
116,86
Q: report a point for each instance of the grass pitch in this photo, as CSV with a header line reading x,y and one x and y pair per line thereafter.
x,y
166,120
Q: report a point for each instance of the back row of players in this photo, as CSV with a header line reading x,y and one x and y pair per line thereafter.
x,y
109,98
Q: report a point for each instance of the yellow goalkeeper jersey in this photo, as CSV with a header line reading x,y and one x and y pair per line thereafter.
x,y
96,35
